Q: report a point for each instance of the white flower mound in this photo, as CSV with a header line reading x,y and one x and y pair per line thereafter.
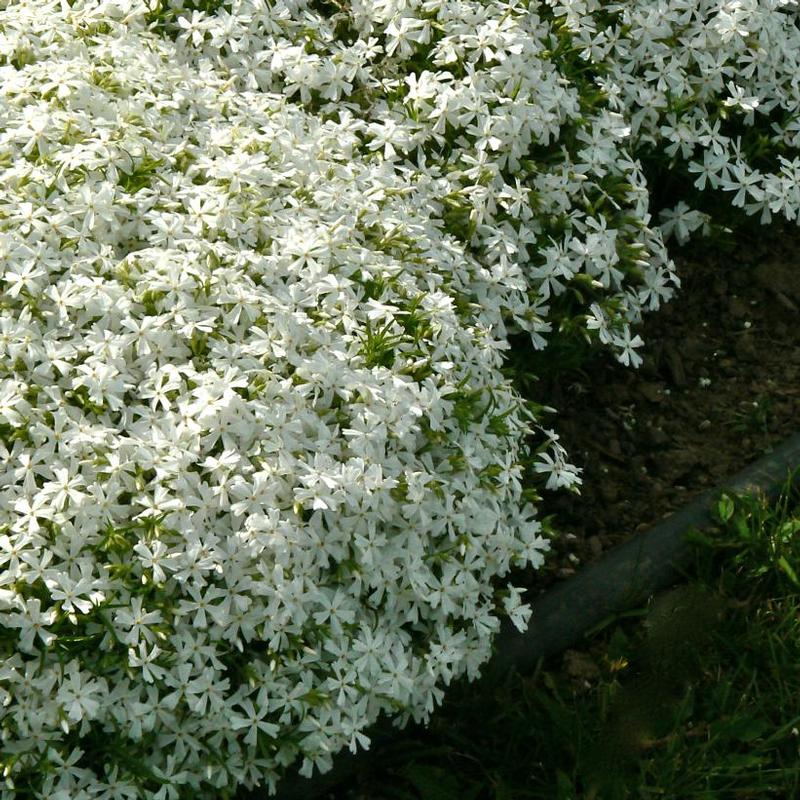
x,y
261,465
712,84
263,474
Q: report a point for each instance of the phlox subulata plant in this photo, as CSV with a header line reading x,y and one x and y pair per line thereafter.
x,y
264,477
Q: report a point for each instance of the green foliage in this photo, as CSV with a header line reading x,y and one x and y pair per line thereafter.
x,y
378,345
162,13
753,417
140,176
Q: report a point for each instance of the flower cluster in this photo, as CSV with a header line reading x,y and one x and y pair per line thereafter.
x,y
263,471
712,85
525,163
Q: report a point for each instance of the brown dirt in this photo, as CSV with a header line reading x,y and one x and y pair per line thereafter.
x,y
719,386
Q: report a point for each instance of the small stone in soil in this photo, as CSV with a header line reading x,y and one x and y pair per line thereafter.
x,y
745,348
655,437
609,493
736,308
652,392
675,365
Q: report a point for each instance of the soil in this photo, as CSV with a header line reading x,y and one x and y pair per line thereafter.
x,y
719,386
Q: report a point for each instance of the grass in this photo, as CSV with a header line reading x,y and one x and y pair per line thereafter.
x,y
695,695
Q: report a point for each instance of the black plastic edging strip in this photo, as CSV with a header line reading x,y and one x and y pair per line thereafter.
x,y
632,571
625,576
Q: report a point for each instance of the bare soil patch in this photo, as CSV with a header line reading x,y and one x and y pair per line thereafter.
x,y
719,386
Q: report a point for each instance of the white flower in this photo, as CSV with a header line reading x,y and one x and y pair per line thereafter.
x,y
518,611
32,622
404,33
70,593
262,462
153,556
560,474
23,277
80,696
627,344
64,489
144,660
253,718
681,221
135,620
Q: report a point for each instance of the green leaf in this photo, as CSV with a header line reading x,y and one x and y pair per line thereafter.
x,y
565,789
787,568
725,508
752,729
739,729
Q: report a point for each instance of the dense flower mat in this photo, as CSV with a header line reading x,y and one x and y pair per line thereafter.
x,y
263,474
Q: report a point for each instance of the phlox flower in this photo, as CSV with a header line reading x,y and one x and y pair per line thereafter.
x,y
32,622
264,470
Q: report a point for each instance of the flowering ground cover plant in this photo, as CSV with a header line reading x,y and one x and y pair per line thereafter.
x,y
263,473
